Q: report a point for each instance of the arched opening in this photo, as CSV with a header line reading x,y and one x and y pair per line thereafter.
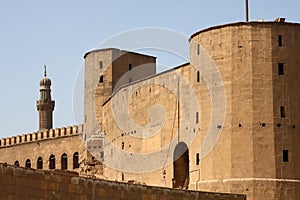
x,y
52,162
17,164
75,160
181,166
64,161
28,163
39,163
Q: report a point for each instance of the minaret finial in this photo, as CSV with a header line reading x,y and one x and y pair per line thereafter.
x,y
45,71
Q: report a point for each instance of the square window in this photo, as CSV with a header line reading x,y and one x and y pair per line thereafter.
x,y
280,69
285,157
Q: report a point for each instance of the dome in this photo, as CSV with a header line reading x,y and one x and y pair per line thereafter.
x,y
45,81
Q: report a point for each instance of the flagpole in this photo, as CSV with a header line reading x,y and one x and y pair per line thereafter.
x,y
247,13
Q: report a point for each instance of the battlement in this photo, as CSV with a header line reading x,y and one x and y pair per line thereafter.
x,y
37,136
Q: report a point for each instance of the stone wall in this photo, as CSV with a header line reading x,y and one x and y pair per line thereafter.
x,y
33,146
28,184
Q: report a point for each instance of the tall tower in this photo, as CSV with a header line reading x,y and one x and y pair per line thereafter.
x,y
45,105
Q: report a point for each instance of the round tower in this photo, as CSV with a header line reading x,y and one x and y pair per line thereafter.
x,y
45,105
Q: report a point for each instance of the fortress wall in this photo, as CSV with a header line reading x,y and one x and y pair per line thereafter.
x,y
42,144
21,183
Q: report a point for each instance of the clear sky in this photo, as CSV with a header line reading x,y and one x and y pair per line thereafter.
x,y
58,33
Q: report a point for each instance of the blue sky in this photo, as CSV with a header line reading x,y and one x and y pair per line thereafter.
x,y
58,33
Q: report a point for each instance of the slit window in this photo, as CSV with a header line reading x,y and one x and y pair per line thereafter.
x,y
280,40
198,76
197,159
285,157
197,117
102,155
129,67
282,112
280,69
101,79
101,65
198,49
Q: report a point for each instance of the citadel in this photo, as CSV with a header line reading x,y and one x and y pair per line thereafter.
x,y
225,124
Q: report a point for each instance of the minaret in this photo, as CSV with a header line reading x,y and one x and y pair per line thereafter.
x,y
45,105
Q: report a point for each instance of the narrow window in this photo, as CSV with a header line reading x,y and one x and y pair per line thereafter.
x,y
280,40
197,159
130,80
282,112
197,117
198,76
285,155
101,79
28,163
39,163
123,177
198,49
17,164
102,155
75,160
64,161
101,64
122,145
52,162
129,67
280,69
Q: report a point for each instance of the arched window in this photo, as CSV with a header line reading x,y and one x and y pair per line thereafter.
x,y
39,163
64,161
28,163
52,162
17,164
75,160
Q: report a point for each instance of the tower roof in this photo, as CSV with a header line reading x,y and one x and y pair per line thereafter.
x,y
45,81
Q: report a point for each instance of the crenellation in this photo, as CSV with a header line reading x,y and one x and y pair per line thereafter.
x,y
51,133
57,132
69,130
63,131
46,134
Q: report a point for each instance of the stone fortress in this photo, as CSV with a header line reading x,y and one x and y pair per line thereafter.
x,y
255,151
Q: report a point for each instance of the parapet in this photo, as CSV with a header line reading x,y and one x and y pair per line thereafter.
x,y
37,136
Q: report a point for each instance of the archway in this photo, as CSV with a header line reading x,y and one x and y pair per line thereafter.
x,y
39,163
181,166
28,163
75,160
17,164
64,161
52,162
